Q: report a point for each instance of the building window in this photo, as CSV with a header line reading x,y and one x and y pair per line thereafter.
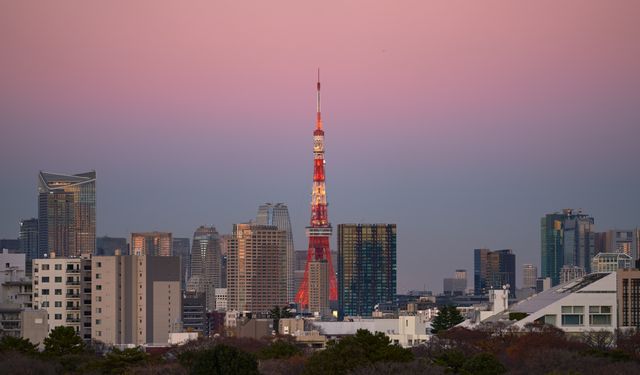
x,y
58,279
45,267
44,279
98,299
44,304
572,315
98,276
45,292
99,333
600,315
98,310
57,316
58,292
58,267
98,322
98,264
56,303
98,287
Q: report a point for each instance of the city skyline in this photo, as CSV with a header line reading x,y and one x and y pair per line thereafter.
x,y
428,128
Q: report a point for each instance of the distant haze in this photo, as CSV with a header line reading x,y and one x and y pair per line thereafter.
x,y
463,123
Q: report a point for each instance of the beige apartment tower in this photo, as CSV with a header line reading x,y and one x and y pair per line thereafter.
x,y
152,243
136,299
628,296
256,268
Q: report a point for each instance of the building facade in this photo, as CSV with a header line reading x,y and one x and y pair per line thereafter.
x,y
256,268
206,263
552,249
319,288
628,296
611,262
493,270
29,241
152,243
367,273
62,286
278,215
66,214
529,276
182,249
137,299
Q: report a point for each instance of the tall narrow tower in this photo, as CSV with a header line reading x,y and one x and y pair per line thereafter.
x,y
319,229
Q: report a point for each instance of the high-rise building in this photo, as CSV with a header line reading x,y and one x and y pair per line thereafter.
x,y
494,270
66,214
136,299
109,245
62,286
319,230
29,241
152,243
621,241
579,239
552,250
457,285
206,263
319,288
182,249
11,244
256,268
567,239
529,276
366,268
278,215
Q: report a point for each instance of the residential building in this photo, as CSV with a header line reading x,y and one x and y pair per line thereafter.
x,y
136,298
206,263
15,287
256,268
278,215
152,243
494,270
529,276
25,323
182,249
611,262
628,297
62,286
110,245
29,241
367,273
66,214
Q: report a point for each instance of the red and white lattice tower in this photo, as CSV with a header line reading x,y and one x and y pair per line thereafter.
x,y
319,229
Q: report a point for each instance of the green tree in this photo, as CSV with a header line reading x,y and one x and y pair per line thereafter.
x,y
279,349
220,360
17,344
63,341
483,364
350,353
117,361
448,317
278,313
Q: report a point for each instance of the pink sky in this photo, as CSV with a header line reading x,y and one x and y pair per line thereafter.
x,y
422,100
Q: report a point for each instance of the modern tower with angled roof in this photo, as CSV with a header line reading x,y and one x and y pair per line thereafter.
x,y
66,213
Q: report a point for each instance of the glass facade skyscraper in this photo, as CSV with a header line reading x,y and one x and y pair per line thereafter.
x,y
278,215
493,270
552,250
66,214
206,262
367,274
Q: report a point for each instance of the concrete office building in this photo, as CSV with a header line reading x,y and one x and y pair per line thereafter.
x,y
319,288
628,297
62,286
66,214
136,299
529,276
151,243
256,268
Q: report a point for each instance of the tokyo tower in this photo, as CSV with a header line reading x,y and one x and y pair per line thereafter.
x,y
319,229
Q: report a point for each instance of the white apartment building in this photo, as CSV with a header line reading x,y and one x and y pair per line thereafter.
x,y
62,286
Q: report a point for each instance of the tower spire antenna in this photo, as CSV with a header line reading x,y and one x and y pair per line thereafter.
x,y
318,116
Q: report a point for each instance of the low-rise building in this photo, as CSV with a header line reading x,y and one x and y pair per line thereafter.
x,y
611,262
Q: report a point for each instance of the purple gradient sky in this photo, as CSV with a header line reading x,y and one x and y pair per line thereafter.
x,y
462,122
